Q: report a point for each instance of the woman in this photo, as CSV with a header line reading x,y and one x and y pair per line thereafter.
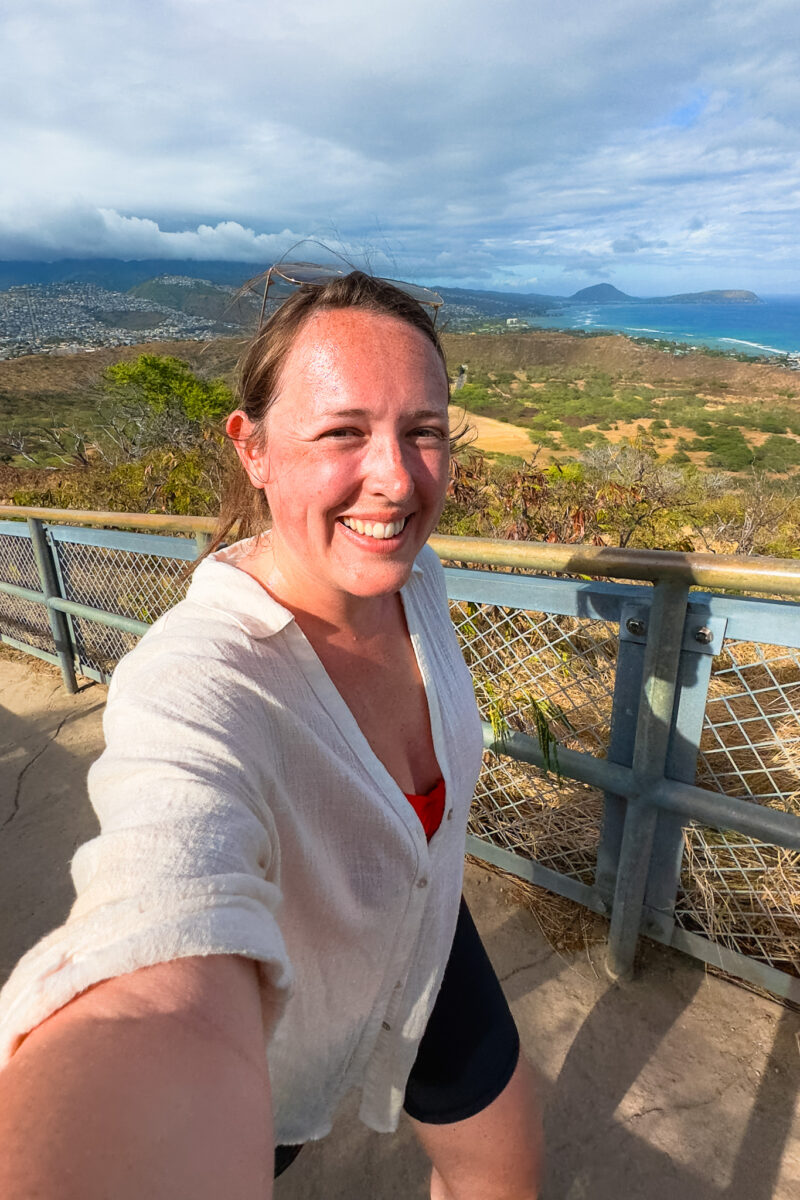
x,y
261,873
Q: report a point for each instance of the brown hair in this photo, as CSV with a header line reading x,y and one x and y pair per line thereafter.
x,y
262,363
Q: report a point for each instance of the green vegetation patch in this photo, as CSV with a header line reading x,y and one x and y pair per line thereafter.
x,y
570,409
727,448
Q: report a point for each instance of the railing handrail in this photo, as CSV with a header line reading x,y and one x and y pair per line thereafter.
x,y
772,576
168,522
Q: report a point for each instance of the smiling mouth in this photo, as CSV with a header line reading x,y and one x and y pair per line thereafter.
x,y
380,530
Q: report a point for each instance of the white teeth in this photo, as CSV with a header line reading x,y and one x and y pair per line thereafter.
x,y
375,529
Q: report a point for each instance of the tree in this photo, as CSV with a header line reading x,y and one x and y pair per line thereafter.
x,y
64,443
752,520
638,498
161,382
157,402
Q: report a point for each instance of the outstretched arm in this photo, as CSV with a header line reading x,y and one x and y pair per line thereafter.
x,y
151,1084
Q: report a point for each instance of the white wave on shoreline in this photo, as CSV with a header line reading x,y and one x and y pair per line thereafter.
x,y
755,345
596,320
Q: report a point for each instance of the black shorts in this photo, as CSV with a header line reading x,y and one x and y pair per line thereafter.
x,y
470,1047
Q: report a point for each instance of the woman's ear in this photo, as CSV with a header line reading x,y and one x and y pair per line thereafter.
x,y
252,452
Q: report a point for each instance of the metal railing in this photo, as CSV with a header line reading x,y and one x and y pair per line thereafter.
x,y
672,803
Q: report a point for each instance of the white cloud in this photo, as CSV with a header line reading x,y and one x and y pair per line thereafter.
x,y
503,143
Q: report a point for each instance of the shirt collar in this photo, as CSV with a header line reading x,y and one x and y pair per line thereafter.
x,y
220,585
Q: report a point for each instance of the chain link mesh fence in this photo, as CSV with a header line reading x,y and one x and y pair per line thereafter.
x,y
142,586
735,890
547,675
21,619
543,674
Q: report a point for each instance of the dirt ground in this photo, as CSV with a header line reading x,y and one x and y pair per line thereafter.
x,y
676,1085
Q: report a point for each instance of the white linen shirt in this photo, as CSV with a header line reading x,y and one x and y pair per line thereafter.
x,y
242,811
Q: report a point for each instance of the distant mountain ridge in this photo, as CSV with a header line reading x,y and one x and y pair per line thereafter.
x,y
606,293
119,275
122,275
730,296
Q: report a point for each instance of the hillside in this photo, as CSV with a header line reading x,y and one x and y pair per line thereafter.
x,y
42,375
734,296
571,394
47,378
616,354
564,392
601,293
200,298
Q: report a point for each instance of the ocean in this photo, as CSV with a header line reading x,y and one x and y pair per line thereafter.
x,y
770,328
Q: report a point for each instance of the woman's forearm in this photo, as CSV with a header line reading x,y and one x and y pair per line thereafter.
x,y
124,1106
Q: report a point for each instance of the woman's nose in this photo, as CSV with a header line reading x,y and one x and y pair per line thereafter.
x,y
388,472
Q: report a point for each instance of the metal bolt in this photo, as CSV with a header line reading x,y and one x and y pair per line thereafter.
x,y
636,627
703,635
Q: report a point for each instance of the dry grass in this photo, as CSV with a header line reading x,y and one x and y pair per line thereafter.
x,y
737,891
751,743
494,436
566,926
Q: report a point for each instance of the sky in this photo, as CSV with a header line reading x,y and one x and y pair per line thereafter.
x,y
523,145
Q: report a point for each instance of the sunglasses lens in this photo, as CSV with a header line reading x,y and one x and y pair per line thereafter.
x,y
299,273
422,294
284,276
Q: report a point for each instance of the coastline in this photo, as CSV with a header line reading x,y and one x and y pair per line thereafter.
x,y
768,331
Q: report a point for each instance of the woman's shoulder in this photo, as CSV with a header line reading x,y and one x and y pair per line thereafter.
x,y
217,638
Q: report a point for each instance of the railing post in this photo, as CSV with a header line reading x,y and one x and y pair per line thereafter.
x,y
703,637
48,578
662,656
633,622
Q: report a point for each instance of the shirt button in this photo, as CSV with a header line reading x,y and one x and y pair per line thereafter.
x,y
421,883
450,814
385,1025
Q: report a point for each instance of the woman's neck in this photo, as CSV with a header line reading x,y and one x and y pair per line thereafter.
x,y
335,618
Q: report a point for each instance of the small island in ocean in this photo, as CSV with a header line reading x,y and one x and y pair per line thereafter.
x,y
606,293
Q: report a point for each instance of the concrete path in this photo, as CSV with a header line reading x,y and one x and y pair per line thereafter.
x,y
678,1086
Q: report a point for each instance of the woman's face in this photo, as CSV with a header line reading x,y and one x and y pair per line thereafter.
x,y
355,464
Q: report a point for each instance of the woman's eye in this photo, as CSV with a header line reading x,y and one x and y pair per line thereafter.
x,y
341,433
430,432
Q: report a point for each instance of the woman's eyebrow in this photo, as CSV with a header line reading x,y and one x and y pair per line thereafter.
x,y
419,414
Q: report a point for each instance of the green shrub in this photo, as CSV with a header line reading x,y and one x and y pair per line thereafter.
x,y
539,438
729,449
778,453
475,397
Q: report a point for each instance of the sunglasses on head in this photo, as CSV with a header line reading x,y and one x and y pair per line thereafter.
x,y
299,273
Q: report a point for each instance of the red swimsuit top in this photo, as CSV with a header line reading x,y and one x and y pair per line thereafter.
x,y
429,808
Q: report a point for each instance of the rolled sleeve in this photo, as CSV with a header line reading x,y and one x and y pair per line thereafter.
x,y
187,860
